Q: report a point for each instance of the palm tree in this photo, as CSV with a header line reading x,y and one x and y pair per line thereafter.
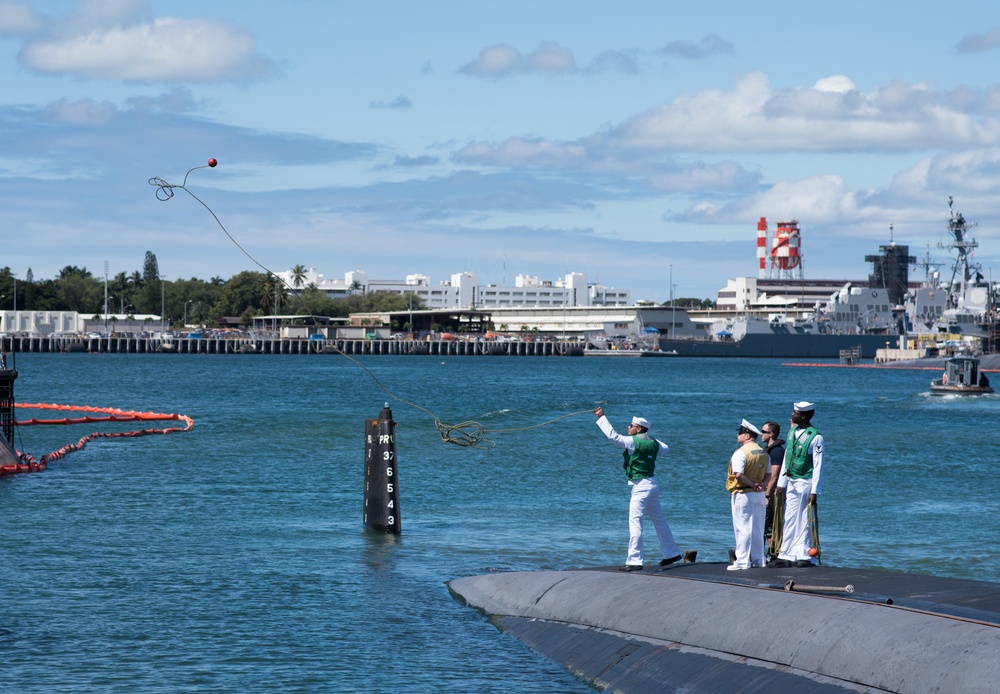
x,y
272,290
136,282
298,279
120,285
265,294
74,271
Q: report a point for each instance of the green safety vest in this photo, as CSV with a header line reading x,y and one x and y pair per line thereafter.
x,y
798,461
642,460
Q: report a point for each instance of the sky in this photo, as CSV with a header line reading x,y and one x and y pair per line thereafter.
x,y
637,142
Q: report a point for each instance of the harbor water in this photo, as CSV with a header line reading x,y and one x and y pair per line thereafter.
x,y
232,558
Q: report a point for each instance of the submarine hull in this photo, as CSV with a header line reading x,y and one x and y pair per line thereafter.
x,y
699,628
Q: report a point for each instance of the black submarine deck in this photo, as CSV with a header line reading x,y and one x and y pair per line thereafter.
x,y
700,628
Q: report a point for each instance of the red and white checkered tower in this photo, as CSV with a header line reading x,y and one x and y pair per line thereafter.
x,y
762,247
786,257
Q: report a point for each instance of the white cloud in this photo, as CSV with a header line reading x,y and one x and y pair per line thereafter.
x,y
819,199
119,39
980,42
400,101
971,172
720,176
84,111
614,61
710,45
840,84
502,60
18,18
519,151
755,118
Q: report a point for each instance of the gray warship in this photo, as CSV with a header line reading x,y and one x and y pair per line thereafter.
x,y
889,311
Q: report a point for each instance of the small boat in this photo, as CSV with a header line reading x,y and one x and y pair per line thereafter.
x,y
627,353
962,377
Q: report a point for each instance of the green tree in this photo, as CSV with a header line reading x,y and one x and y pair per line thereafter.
x,y
80,294
119,287
271,293
240,295
148,299
29,289
73,271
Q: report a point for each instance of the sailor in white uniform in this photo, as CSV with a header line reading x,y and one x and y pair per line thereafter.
x,y
802,478
749,470
640,453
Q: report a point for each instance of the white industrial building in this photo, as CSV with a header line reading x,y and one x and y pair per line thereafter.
x,y
71,322
463,291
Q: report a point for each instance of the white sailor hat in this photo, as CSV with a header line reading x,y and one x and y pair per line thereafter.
x,y
641,422
749,427
804,406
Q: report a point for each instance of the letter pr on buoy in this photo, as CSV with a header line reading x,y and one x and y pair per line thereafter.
x,y
382,512
7,378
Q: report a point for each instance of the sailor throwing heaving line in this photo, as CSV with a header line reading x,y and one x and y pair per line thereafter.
x,y
640,454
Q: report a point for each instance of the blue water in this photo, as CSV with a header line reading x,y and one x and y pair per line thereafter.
x,y
232,558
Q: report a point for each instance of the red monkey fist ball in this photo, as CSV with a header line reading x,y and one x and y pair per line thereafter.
x,y
212,162
813,551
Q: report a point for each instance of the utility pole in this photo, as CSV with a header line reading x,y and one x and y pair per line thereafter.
x,y
673,311
163,304
105,297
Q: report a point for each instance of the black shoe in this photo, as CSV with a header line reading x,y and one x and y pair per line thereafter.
x,y
671,560
803,563
780,564
630,567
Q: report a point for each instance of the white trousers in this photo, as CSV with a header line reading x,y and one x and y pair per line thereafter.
x,y
646,499
796,540
748,526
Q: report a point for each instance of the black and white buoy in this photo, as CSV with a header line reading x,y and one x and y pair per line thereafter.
x,y
382,512
7,378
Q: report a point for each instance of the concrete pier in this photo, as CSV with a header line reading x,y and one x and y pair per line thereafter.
x,y
262,345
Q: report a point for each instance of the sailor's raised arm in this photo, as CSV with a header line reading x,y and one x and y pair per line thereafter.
x,y
625,442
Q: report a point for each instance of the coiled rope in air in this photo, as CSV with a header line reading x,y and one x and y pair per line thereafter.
x,y
468,433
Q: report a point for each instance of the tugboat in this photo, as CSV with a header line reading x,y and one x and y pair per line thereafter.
x,y
961,377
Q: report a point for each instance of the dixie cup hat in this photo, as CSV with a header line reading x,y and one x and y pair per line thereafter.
x,y
641,422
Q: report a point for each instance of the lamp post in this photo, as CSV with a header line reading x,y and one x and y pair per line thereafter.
x,y
673,311
105,297
163,303
189,301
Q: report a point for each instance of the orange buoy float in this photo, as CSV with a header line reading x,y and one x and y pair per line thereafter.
x,y
28,463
